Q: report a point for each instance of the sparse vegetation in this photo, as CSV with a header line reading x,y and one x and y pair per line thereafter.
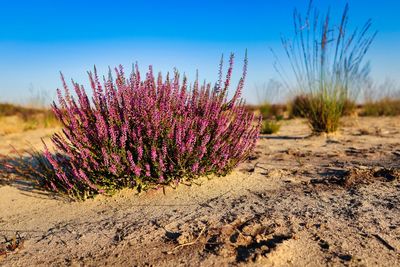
x,y
382,107
298,106
260,184
326,61
301,105
270,127
14,118
272,111
268,95
382,100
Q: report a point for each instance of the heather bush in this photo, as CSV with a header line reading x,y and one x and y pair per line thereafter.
x,y
143,132
327,64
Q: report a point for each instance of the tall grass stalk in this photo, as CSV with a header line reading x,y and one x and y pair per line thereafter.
x,y
326,59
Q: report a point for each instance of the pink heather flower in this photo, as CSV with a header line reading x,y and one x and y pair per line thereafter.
x,y
124,136
161,164
153,154
195,167
137,171
147,170
140,152
53,187
113,169
116,158
229,74
164,149
113,134
105,156
190,141
171,167
130,160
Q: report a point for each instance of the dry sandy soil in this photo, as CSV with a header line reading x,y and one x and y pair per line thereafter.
x,y
299,200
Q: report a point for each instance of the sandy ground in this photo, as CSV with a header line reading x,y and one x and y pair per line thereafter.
x,y
299,200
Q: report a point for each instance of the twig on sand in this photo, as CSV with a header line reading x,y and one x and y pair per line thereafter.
x,y
11,245
189,243
384,242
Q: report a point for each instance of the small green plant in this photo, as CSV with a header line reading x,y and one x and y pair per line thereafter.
x,y
270,127
327,64
279,117
265,109
268,95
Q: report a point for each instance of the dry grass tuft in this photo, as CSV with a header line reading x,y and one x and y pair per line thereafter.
x,y
384,107
10,245
15,119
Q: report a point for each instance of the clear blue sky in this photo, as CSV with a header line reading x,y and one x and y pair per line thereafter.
x,y
40,38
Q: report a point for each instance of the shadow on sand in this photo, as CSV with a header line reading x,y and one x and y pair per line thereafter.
x,y
23,173
282,137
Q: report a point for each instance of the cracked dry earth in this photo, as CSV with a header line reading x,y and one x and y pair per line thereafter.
x,y
299,200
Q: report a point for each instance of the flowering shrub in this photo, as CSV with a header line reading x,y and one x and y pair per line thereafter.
x,y
138,132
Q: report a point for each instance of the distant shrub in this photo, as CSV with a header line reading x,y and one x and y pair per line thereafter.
x,y
381,99
349,107
271,113
251,108
383,107
145,132
268,110
298,106
326,61
15,118
7,109
270,127
268,96
301,106
265,110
